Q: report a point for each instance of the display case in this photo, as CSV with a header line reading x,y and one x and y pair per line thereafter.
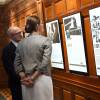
x,y
95,28
54,34
75,43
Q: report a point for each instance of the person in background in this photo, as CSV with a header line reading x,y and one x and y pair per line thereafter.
x,y
8,57
33,63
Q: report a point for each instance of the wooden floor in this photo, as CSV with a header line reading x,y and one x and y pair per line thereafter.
x,y
6,93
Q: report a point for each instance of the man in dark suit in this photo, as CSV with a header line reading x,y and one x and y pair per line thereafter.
x,y
8,57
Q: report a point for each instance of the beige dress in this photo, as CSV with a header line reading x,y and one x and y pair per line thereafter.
x,y
34,53
42,89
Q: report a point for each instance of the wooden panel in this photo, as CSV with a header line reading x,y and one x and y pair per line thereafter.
x,y
18,20
98,1
1,29
12,13
28,12
72,5
86,2
47,2
40,11
60,7
90,56
22,21
64,49
57,93
67,81
13,22
67,95
56,0
3,77
77,97
34,13
49,12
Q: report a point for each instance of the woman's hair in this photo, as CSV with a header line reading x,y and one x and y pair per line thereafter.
x,y
32,23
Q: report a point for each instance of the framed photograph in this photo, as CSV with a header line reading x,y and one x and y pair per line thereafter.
x,y
75,43
53,32
95,28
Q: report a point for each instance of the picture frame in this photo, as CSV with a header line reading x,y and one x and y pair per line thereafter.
x,y
75,44
94,15
54,34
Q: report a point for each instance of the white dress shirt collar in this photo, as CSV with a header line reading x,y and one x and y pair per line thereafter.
x,y
15,43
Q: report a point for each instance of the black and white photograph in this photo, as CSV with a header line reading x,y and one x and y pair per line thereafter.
x,y
75,43
95,29
71,25
53,32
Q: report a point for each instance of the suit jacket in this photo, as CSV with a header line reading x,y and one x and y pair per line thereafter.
x,y
34,53
8,57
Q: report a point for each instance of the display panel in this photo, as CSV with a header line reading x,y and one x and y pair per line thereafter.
x,y
95,28
53,32
74,43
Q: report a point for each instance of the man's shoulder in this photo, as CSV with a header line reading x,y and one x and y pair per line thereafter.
x,y
7,46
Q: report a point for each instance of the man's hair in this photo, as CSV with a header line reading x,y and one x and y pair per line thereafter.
x,y
31,24
9,31
12,30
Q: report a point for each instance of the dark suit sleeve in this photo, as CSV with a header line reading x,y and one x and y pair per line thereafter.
x,y
8,61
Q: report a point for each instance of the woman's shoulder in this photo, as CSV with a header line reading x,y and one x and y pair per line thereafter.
x,y
43,36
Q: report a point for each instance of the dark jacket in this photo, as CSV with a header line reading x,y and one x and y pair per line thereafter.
x,y
8,57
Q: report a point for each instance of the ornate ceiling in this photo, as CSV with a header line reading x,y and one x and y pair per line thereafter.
x,y
3,2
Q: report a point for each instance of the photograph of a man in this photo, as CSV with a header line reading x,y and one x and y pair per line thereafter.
x,y
53,31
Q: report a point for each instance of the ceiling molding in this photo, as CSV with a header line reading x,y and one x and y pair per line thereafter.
x,y
3,2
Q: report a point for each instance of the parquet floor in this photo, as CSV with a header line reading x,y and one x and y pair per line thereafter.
x,y
6,94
